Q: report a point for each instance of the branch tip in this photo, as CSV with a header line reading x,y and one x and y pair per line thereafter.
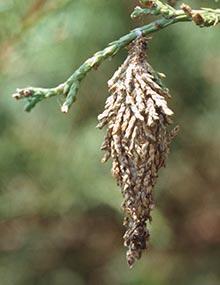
x,y
169,15
64,109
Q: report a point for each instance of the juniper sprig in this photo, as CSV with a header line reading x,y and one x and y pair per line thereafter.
x,y
168,16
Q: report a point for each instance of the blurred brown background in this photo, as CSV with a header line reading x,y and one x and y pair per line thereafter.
x,y
60,217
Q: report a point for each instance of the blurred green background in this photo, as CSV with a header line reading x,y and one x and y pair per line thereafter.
x,y
60,217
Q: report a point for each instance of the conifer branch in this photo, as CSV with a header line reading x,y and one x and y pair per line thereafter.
x,y
203,18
